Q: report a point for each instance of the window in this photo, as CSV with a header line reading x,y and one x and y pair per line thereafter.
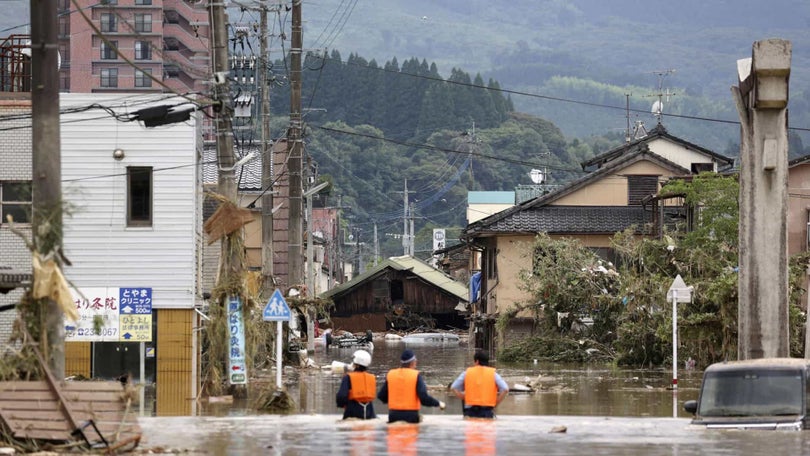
x,y
108,22
142,78
108,50
63,26
143,2
640,187
109,2
15,200
698,168
139,196
143,22
109,77
143,50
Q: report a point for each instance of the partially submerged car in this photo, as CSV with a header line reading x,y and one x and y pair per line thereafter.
x,y
767,393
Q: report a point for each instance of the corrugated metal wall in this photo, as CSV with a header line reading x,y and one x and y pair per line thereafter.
x,y
175,363
77,359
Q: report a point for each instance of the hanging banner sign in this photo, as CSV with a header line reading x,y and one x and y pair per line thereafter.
x,y
237,369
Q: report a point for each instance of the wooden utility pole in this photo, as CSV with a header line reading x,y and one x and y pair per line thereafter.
x,y
761,101
295,151
268,281
47,167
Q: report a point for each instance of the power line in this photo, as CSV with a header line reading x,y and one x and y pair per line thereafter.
x,y
127,60
545,97
442,149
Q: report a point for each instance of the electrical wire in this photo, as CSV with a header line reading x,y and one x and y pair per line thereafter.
x,y
442,149
128,61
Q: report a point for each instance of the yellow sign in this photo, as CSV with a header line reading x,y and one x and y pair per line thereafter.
x,y
135,328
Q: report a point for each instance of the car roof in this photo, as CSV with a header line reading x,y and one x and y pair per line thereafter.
x,y
775,363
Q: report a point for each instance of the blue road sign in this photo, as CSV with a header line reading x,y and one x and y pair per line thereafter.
x,y
276,308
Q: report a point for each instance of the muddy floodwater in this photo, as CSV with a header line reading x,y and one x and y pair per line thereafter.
x,y
597,390
580,409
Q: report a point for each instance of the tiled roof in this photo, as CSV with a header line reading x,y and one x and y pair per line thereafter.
x,y
417,267
642,153
658,132
570,219
248,176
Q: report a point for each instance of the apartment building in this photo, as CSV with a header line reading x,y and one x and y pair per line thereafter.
x,y
166,39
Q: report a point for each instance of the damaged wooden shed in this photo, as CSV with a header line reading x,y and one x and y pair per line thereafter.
x,y
401,293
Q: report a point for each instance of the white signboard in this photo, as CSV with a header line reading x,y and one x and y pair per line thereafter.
x,y
111,314
438,239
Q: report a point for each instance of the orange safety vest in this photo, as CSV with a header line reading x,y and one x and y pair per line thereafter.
x,y
479,386
402,389
363,387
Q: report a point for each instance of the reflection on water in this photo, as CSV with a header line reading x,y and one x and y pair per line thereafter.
x,y
451,435
605,411
581,390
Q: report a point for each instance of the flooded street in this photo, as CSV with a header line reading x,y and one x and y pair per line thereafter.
x,y
562,390
603,411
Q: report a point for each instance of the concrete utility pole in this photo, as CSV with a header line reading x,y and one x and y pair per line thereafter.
x,y
406,245
376,245
226,184
47,167
268,282
296,150
411,234
761,100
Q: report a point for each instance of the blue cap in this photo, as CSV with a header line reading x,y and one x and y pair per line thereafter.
x,y
407,357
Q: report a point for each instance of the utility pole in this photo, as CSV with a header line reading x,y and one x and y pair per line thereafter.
x,y
230,255
405,215
376,245
411,234
47,169
226,184
761,99
268,281
357,246
296,150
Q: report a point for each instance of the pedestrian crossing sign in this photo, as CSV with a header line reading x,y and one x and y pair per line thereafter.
x,y
276,308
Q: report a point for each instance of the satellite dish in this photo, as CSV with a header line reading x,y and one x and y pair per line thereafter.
x,y
537,176
657,107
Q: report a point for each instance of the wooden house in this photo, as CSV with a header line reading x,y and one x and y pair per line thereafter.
x,y
400,293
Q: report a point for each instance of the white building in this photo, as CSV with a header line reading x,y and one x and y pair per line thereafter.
x,y
133,198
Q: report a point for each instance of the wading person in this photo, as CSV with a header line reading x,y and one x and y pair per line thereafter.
x,y
357,389
480,387
405,391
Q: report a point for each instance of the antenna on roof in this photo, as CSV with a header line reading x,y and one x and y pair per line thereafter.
x,y
658,105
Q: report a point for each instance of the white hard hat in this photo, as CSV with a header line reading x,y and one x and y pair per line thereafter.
x,y
362,358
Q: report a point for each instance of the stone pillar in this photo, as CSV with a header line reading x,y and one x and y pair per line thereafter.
x,y
761,100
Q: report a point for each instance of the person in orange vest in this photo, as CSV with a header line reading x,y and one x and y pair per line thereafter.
x,y
405,391
480,387
357,388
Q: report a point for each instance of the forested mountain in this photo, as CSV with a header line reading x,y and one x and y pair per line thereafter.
x,y
378,125
593,51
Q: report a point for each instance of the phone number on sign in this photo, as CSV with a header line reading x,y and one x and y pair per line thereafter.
x,y
90,332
